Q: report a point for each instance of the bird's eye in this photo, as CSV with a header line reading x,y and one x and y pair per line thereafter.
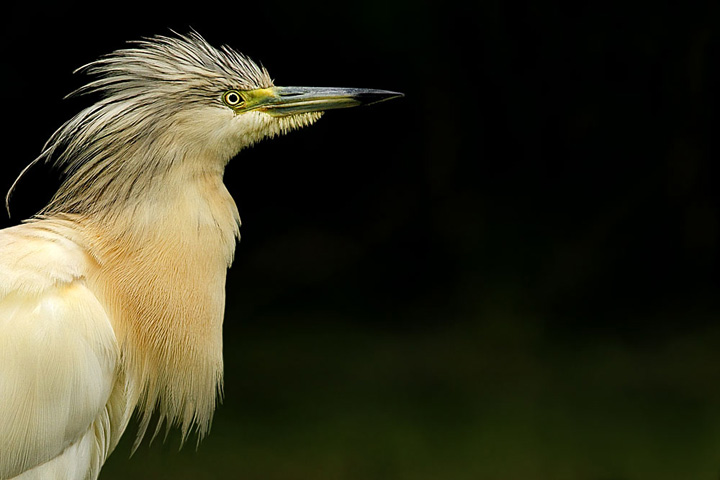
x,y
232,98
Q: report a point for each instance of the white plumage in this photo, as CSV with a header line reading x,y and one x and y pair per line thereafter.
x,y
112,298
58,358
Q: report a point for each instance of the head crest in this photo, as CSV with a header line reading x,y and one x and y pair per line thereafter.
x,y
151,81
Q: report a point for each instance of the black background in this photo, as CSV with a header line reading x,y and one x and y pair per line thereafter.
x,y
512,272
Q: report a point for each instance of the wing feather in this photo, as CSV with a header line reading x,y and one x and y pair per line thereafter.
x,y
58,352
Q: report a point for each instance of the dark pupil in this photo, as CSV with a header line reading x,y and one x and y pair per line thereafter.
x,y
232,98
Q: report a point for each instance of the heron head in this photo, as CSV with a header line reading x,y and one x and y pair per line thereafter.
x,y
170,102
183,91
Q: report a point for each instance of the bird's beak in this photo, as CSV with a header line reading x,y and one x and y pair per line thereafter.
x,y
282,101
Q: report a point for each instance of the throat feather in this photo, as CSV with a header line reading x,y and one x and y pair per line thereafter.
x,y
163,280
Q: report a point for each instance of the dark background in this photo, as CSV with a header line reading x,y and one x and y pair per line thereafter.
x,y
511,273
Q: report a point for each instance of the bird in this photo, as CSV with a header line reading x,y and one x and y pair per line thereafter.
x,y
112,296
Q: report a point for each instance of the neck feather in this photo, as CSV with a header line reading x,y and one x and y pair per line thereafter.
x,y
162,268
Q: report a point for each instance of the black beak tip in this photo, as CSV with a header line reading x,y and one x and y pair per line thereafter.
x,y
370,97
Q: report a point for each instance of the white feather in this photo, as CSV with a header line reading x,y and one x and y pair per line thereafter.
x,y
58,357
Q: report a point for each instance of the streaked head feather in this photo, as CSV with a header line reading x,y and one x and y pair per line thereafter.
x,y
153,96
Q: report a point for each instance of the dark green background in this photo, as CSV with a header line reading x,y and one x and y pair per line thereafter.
x,y
511,273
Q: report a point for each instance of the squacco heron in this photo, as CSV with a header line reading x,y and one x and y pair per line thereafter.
x,y
112,296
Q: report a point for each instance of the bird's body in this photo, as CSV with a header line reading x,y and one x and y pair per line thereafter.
x,y
112,298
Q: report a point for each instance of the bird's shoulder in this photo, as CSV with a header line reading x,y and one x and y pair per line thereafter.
x,y
35,257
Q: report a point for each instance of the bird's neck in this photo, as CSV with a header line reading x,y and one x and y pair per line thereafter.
x,y
161,272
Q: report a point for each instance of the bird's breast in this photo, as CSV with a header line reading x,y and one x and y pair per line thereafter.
x,y
162,278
